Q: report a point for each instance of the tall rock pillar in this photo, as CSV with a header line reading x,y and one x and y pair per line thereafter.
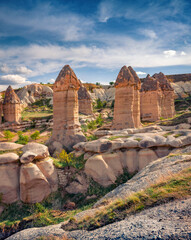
x,y
150,100
85,101
11,106
127,100
167,99
66,127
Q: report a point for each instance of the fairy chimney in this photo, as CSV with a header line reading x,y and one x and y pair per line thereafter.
x,y
167,99
150,99
66,127
127,100
85,101
11,106
1,109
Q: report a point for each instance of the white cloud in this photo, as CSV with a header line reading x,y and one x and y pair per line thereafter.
x,y
4,68
169,53
11,79
22,70
141,73
149,33
183,53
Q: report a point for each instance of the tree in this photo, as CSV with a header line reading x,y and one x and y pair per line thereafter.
x,y
8,135
111,83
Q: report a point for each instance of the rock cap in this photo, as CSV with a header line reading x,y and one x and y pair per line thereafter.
x,y
150,84
66,80
163,81
11,96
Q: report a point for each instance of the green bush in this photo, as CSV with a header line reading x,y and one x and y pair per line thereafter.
x,y
8,135
35,135
99,120
99,104
65,159
22,139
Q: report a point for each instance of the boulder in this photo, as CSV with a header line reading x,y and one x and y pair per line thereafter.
x,y
6,146
8,158
46,166
40,150
98,169
9,184
79,185
34,187
28,157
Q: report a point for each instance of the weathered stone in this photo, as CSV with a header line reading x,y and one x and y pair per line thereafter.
x,y
40,150
46,166
79,185
113,160
127,100
11,106
9,183
162,151
8,158
1,109
66,126
131,160
1,209
85,101
98,169
167,99
145,156
150,99
28,157
34,187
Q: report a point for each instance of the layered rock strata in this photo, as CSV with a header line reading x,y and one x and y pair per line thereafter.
x,y
66,127
127,100
108,156
29,178
1,109
151,95
85,101
167,99
11,106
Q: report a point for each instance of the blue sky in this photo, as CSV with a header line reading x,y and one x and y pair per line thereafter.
x,y
37,38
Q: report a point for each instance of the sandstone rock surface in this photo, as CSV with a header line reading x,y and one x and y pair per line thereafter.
x,y
127,100
40,150
34,187
6,146
66,126
33,92
11,106
9,182
8,158
85,101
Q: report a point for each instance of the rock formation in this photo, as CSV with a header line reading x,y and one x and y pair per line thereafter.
x,y
1,109
85,101
11,106
66,127
150,99
30,178
127,100
33,92
167,99
130,149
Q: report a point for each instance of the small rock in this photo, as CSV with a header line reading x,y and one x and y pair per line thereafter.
x,y
8,158
28,157
70,206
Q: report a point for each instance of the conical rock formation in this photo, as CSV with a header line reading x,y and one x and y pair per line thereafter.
x,y
66,127
127,99
11,106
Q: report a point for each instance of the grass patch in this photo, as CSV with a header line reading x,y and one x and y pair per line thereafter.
x,y
116,137
177,186
91,138
178,135
138,139
65,159
167,134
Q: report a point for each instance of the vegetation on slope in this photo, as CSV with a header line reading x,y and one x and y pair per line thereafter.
x,y
177,186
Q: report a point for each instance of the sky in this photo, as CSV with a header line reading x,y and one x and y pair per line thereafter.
x,y
95,37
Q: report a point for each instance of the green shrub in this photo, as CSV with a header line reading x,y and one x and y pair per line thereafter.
x,y
8,135
65,159
99,104
99,120
35,135
91,137
22,139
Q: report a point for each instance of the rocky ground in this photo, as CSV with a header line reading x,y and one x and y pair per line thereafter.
x,y
168,221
